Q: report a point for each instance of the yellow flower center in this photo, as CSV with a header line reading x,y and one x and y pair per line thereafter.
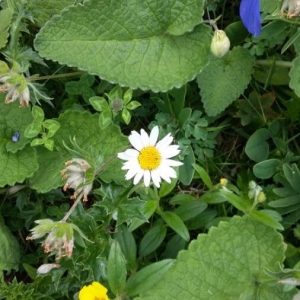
x,y
149,158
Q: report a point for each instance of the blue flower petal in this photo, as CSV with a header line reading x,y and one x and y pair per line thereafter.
x,y
250,15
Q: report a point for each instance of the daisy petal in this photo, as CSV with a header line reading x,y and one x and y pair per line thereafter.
x,y
173,163
135,140
138,177
170,151
131,165
153,136
131,173
155,178
128,154
132,153
167,172
165,142
145,138
147,178
122,155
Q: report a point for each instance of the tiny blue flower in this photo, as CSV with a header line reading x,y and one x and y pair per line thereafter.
x,y
250,15
15,137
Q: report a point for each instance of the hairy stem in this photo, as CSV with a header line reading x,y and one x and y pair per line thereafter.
x,y
277,63
68,214
73,74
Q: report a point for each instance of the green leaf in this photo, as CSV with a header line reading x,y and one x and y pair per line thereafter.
x,y
52,127
237,201
179,97
99,103
33,130
186,171
166,188
126,116
37,142
256,147
295,76
38,114
147,277
212,197
127,97
112,40
3,67
204,175
292,174
285,202
116,269
18,160
202,220
152,239
238,251
147,210
184,115
84,127
291,41
43,11
49,144
268,6
223,80
5,17
133,105
128,246
266,219
10,251
105,119
266,169
189,210
182,199
176,224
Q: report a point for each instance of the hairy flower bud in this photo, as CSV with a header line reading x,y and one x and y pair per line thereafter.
x,y
293,7
16,87
60,237
220,43
75,175
46,268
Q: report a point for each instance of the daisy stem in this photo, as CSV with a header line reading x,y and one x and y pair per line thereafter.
x,y
157,198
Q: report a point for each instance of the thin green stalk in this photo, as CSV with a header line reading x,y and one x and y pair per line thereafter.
x,y
278,63
64,219
64,75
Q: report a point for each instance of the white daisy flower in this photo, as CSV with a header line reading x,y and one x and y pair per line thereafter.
x,y
150,159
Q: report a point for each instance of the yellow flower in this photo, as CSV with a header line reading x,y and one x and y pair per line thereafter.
x,y
223,181
94,291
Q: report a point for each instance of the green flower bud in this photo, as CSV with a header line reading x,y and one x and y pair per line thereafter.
x,y
220,43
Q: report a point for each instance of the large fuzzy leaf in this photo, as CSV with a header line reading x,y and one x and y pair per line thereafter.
x,y
43,11
223,80
18,160
9,249
85,128
150,44
5,22
228,263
